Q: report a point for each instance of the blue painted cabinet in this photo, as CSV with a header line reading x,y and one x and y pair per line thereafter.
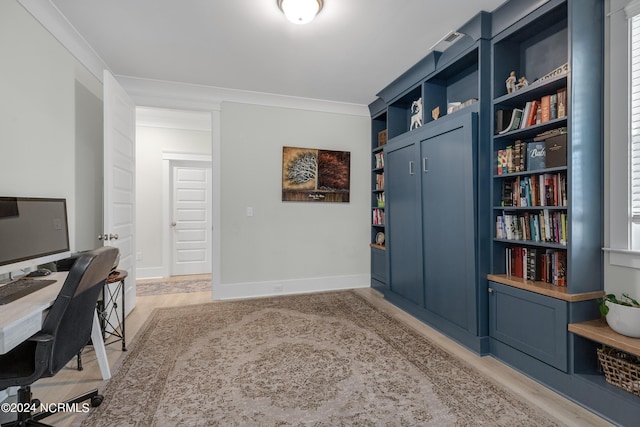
x,y
447,167
403,223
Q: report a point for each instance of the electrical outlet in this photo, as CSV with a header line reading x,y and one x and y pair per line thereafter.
x,y
138,256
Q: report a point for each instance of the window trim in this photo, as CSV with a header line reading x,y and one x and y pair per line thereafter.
x,y
617,81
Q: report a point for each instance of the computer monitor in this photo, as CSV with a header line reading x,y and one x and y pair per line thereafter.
x,y
33,231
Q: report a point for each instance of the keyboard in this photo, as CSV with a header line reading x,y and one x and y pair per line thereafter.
x,y
21,288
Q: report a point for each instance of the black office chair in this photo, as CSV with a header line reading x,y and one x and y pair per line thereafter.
x,y
66,329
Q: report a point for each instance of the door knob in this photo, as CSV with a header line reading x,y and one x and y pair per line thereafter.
x,y
113,237
103,237
173,223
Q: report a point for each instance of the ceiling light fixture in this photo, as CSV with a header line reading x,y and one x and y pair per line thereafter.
x,y
300,11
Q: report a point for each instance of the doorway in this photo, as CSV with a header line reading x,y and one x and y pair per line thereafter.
x,y
191,225
174,144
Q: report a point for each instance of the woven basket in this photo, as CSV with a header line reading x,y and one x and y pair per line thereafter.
x,y
620,369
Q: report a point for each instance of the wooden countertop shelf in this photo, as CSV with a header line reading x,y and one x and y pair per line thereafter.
x,y
599,331
544,288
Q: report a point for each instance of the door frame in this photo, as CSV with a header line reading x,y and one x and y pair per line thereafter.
x,y
168,160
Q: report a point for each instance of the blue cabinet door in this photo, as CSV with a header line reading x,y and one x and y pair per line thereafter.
x,y
403,226
532,323
448,220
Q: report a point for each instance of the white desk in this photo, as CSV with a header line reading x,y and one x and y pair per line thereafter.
x,y
22,318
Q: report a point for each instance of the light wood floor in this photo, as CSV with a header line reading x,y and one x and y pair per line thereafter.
x,y
70,382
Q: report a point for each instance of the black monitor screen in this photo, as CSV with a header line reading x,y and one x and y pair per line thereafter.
x,y
32,228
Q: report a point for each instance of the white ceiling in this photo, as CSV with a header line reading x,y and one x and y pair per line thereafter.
x,y
352,50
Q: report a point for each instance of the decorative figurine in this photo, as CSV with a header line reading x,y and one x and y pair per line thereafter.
x,y
416,114
511,82
435,113
522,82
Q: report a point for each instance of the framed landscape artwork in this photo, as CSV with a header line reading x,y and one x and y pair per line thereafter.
x,y
314,175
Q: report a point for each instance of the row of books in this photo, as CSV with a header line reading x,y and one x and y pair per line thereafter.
x,y
548,189
380,181
378,216
544,226
549,107
547,150
546,265
379,157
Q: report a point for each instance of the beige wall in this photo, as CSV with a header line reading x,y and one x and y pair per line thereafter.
x,y
289,240
37,115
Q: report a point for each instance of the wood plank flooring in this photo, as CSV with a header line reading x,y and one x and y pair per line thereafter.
x,y
69,382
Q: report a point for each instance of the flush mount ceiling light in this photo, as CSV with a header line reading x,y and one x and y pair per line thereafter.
x,y
300,11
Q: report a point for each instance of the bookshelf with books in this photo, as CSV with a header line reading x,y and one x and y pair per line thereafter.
x,y
546,268
435,271
378,221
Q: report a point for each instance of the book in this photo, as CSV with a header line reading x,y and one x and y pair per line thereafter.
x,y
536,155
553,107
503,118
526,112
519,155
556,151
502,162
516,116
545,107
531,120
507,193
548,134
562,102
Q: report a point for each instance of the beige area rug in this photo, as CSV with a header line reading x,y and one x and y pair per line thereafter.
x,y
160,287
310,360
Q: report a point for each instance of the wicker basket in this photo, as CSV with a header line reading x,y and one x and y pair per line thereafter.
x,y
620,369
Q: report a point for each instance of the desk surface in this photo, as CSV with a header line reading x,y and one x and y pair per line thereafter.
x,y
23,317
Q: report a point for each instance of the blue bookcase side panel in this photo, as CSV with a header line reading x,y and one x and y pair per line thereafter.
x,y
585,269
403,229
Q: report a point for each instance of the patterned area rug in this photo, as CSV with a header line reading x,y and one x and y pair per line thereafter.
x,y
322,359
172,286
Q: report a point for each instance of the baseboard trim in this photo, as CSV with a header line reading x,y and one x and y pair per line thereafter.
x,y
149,272
227,291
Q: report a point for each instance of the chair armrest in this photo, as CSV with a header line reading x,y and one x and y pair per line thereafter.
x,y
41,337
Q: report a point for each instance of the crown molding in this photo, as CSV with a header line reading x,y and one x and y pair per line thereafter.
x,y
166,94
61,29
173,119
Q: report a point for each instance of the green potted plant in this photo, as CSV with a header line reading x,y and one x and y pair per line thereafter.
x,y
623,315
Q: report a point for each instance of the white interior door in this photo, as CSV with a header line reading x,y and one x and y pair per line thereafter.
x,y
191,219
119,180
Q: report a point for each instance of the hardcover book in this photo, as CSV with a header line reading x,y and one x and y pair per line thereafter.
x,y
514,124
536,152
545,107
556,151
503,117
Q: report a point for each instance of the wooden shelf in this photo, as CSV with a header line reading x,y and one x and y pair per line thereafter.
x,y
599,331
544,288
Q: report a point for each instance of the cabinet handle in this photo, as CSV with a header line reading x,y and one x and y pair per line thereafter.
x,y
411,172
490,290
425,161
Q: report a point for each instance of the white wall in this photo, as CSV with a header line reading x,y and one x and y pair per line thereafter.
x,y
287,245
37,112
618,279
151,142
